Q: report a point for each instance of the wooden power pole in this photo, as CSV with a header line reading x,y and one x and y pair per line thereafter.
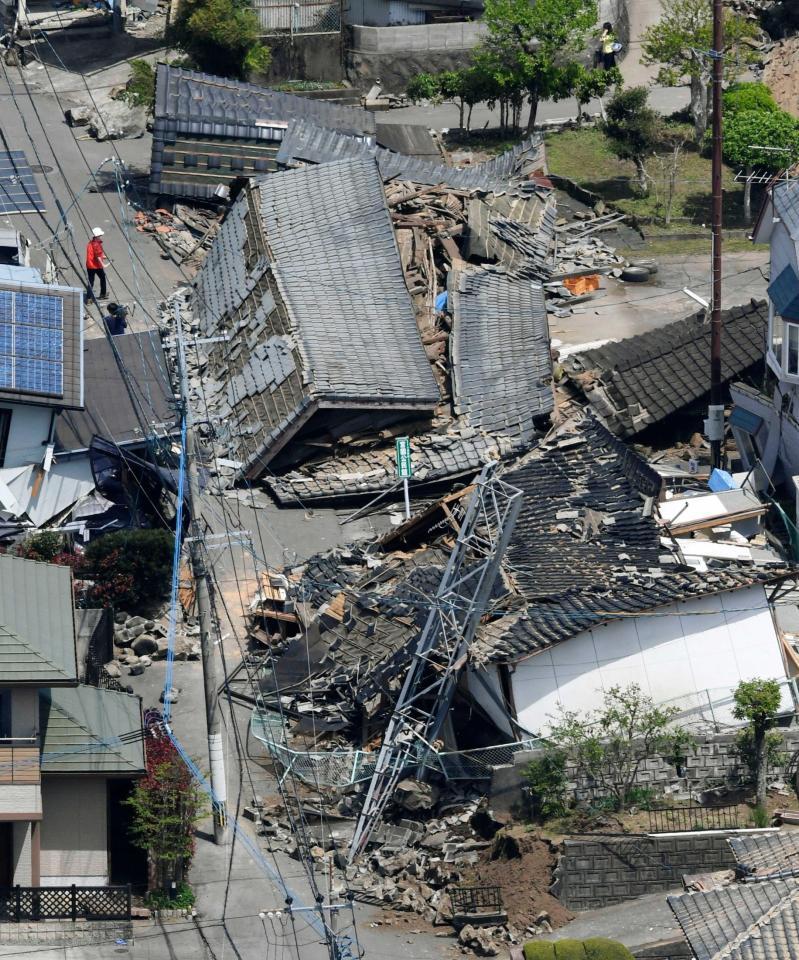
x,y
714,425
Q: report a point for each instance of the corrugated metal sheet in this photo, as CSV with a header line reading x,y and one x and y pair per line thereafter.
x,y
37,629
401,13
313,17
82,731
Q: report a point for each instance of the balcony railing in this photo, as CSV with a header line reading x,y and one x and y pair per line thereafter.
x,y
19,760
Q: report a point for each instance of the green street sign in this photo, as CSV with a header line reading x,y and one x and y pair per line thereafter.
x,y
404,464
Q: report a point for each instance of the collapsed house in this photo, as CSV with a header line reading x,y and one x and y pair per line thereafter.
x,y
607,573
642,381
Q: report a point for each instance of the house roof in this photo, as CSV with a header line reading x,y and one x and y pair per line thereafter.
x,y
306,140
90,730
501,360
41,339
37,627
586,548
642,380
765,855
115,407
785,197
209,130
749,921
305,275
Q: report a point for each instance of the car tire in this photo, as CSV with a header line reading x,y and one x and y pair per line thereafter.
x,y
650,265
635,274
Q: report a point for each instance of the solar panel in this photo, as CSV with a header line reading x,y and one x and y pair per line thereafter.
x,y
31,343
18,190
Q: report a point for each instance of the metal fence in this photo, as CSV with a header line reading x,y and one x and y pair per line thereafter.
x,y
307,18
710,710
687,819
342,768
23,904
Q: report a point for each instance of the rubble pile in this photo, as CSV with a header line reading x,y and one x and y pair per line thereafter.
x,y
439,840
186,233
138,641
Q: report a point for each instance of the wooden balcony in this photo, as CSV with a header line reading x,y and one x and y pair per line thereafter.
x,y
20,760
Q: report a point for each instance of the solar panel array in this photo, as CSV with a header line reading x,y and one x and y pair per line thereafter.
x,y
18,190
31,343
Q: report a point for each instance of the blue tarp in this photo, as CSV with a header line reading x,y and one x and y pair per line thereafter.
x,y
441,301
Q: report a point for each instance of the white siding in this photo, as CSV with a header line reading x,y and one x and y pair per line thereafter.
x,y
74,844
491,676
28,432
709,643
21,835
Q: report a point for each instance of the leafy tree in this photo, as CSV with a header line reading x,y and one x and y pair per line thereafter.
x,y
166,804
680,41
130,568
757,701
609,745
423,86
528,47
592,84
633,129
675,138
546,785
747,132
221,37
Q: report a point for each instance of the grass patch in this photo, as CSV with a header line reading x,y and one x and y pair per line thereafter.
x,y
585,157
665,246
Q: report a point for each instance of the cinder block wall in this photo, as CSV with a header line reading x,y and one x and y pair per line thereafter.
x,y
594,873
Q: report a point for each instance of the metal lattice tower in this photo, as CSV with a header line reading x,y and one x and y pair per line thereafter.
x,y
444,642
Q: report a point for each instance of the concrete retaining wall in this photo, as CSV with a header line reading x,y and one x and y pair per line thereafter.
x,y
595,873
416,39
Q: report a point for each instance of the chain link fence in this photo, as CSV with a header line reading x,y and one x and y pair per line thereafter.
x,y
336,769
306,18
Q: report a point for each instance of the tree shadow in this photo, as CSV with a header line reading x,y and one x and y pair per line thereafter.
x,y
698,207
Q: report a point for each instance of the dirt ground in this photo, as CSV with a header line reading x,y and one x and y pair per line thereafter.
x,y
781,74
524,879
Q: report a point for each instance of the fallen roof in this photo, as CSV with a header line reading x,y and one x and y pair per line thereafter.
x,y
307,141
115,406
91,730
30,493
644,379
209,130
764,855
409,139
751,921
502,366
37,626
586,547
517,231
344,334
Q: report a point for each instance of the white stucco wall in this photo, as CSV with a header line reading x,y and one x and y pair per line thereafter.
x,y
74,831
29,430
710,643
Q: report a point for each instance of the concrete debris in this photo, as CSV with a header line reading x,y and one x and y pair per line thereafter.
x,y
109,119
186,234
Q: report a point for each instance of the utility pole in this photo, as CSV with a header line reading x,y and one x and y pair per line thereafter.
x,y
216,757
714,425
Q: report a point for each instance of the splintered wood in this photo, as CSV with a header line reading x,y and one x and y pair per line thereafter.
x,y
425,221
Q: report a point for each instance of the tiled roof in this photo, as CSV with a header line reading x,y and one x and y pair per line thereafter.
x,y
767,854
314,142
785,196
209,130
500,352
642,380
435,457
745,921
517,231
90,730
305,276
586,549
37,628
113,407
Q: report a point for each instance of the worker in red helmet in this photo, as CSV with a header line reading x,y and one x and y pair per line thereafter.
x,y
96,263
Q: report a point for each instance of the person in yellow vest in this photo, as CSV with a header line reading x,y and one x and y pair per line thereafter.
x,y
609,46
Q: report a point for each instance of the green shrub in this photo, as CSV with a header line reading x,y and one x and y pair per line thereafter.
x,y
130,568
44,546
539,950
221,37
546,783
749,96
161,900
569,950
599,948
761,817
140,88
